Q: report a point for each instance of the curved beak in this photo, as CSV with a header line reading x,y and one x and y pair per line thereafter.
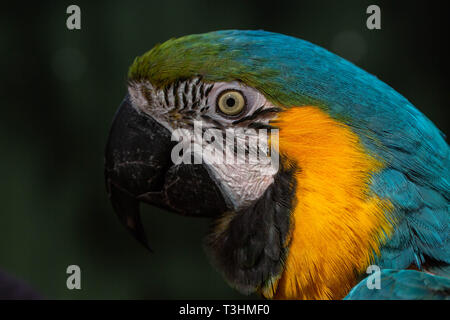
x,y
138,167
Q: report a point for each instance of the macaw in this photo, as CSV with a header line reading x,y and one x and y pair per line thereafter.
x,y
362,179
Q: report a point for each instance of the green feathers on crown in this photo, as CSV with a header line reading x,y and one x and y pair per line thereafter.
x,y
211,56
185,57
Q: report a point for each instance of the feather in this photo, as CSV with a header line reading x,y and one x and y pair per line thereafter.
x,y
403,285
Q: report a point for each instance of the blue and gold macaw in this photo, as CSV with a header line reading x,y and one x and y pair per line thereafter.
x,y
362,178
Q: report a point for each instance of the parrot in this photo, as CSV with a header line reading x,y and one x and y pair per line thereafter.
x,y
361,180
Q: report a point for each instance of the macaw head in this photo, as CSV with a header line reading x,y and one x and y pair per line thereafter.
x,y
302,210
196,86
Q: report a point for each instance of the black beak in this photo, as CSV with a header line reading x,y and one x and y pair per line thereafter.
x,y
138,167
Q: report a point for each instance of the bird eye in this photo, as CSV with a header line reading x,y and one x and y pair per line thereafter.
x,y
231,102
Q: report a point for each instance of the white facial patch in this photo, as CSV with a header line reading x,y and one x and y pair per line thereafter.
x,y
183,105
243,183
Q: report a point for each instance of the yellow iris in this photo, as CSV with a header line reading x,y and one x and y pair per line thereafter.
x,y
231,102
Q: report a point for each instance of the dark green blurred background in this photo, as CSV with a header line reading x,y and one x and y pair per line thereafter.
x,y
59,91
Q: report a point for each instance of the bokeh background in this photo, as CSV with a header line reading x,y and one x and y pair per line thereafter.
x,y
59,90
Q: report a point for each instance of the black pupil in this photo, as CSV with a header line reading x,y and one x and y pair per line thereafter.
x,y
230,102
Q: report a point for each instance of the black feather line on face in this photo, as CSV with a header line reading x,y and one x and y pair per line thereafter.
x,y
194,91
202,90
184,100
259,125
215,122
258,113
175,95
208,89
250,247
